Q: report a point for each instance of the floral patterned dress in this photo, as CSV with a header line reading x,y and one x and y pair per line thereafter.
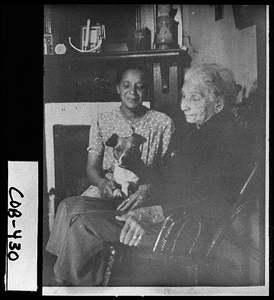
x,y
156,127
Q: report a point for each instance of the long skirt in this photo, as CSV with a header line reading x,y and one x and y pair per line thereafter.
x,y
82,227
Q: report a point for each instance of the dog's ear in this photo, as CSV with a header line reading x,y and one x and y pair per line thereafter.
x,y
139,139
112,141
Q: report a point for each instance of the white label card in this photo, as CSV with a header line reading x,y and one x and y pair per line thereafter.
x,y
22,234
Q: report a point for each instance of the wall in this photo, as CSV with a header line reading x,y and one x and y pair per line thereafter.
x,y
212,41
220,41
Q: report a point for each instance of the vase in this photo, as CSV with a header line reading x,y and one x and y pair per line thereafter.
x,y
165,26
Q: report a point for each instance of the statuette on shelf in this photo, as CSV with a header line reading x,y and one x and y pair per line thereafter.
x,y
166,28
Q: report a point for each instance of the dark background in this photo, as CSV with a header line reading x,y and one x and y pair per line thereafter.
x,y
67,19
21,81
21,104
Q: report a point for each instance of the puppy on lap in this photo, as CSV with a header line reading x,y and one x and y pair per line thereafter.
x,y
129,167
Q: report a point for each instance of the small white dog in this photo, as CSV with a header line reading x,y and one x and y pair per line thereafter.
x,y
128,166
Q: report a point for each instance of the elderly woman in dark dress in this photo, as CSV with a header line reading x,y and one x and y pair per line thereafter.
x,y
203,178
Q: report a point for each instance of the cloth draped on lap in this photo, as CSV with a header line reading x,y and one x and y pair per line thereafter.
x,y
82,226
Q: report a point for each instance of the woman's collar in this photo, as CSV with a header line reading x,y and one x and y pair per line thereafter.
x,y
223,116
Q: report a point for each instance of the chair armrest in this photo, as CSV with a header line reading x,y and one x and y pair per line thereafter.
x,y
178,236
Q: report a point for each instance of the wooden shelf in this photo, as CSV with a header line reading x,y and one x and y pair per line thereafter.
x,y
165,58
150,55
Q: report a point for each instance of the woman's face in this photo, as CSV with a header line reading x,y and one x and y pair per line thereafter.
x,y
131,88
197,103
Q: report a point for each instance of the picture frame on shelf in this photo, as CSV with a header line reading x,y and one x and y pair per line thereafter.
x,y
48,44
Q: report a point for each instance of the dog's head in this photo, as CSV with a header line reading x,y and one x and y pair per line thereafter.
x,y
126,150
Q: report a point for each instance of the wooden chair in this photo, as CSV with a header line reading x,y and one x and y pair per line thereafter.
x,y
164,265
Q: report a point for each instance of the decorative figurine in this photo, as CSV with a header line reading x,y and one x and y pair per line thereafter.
x,y
166,27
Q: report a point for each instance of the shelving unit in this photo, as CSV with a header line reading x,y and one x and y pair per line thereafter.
x,y
62,71
154,55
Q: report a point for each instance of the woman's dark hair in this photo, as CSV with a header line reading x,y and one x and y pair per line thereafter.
x,y
130,66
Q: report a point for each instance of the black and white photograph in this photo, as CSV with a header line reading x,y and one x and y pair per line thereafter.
x,y
155,154
154,146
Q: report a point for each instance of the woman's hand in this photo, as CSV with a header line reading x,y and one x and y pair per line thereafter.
x,y
136,199
138,222
106,188
132,231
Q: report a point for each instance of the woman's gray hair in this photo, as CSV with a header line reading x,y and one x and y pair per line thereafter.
x,y
218,79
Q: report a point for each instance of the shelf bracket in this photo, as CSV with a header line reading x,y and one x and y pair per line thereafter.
x,y
164,66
